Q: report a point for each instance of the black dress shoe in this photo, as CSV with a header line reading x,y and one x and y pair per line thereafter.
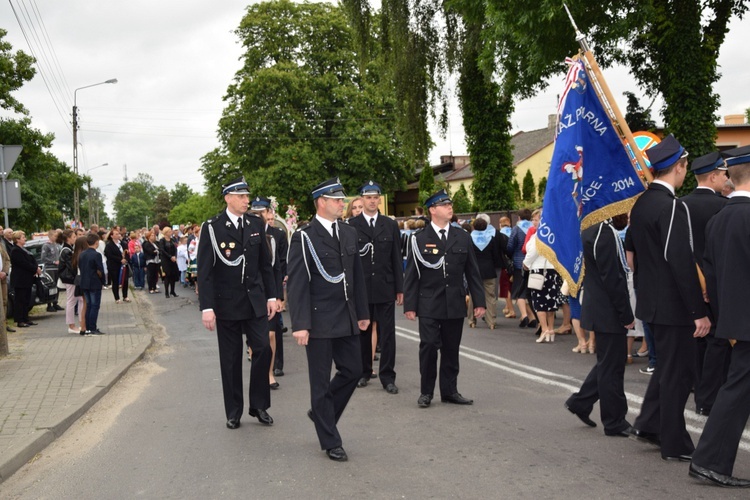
x,y
677,458
233,423
362,382
262,416
583,417
310,415
456,399
524,322
424,400
58,308
284,330
391,389
703,411
278,372
274,386
704,474
646,437
31,323
626,432
23,325
174,294
338,454
533,323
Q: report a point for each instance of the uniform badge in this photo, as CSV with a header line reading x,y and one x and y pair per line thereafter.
x,y
254,234
223,245
435,251
227,252
228,224
231,244
430,245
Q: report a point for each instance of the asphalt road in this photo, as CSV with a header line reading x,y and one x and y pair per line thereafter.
x,y
160,432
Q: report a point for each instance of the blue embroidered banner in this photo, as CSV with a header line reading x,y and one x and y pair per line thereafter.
x,y
591,176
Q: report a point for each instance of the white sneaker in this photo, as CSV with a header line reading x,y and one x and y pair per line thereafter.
x,y
73,330
649,370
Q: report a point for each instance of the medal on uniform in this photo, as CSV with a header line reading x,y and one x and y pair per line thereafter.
x,y
223,245
227,252
228,224
231,244
435,251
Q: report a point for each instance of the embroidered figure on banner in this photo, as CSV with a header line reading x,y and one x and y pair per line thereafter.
x,y
575,169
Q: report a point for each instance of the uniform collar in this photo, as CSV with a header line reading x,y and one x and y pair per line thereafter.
x,y
438,228
665,184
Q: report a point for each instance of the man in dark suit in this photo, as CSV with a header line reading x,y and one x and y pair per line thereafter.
x,y
670,300
704,202
725,262
238,295
91,269
282,247
380,251
328,306
440,257
606,311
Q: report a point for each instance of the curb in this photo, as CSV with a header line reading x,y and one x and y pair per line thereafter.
x,y
20,454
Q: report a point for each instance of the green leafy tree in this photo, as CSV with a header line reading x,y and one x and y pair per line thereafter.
x,y
134,201
461,202
426,184
638,118
180,193
747,115
46,183
162,206
517,192
15,69
541,188
196,209
301,109
527,191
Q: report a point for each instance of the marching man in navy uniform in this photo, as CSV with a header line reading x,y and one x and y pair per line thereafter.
x,y
328,307
727,272
440,257
238,295
380,251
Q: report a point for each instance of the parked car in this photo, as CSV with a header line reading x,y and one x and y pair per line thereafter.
x,y
48,279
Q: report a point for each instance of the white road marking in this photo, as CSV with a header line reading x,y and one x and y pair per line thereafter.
x,y
694,422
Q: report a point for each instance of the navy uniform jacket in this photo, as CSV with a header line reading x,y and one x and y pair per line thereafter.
x,y
434,295
222,287
282,246
315,304
384,277
606,302
669,292
726,268
703,204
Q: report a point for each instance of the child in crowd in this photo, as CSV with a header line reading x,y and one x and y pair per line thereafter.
x,y
182,259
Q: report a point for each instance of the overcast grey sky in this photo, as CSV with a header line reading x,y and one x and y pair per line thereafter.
x,y
174,61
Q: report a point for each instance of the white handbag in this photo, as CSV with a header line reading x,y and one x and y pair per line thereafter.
x,y
536,281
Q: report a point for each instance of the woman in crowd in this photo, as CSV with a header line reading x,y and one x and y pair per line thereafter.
x,y
24,271
193,256
168,256
355,208
515,248
547,300
117,265
151,254
506,268
67,274
182,260
487,250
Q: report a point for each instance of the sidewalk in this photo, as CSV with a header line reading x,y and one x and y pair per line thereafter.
x,y
51,377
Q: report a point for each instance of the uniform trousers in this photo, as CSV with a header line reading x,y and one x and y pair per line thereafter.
x,y
717,446
278,363
605,383
385,316
669,389
231,352
442,335
715,368
329,396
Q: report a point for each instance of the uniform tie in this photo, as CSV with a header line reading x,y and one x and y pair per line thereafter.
x,y
442,237
239,226
333,232
372,223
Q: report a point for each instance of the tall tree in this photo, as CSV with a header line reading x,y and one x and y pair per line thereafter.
x,y
134,201
461,201
162,205
15,70
638,118
426,184
527,190
180,193
301,109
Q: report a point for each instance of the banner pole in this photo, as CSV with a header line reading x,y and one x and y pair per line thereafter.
x,y
609,103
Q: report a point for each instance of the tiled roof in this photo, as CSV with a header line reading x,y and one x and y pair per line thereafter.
x,y
526,144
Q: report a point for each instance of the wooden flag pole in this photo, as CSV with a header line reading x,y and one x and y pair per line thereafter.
x,y
609,103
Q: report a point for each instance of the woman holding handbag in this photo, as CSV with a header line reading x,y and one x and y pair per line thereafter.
x,y
544,286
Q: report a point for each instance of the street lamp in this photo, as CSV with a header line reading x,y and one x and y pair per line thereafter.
x,y
88,180
76,201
